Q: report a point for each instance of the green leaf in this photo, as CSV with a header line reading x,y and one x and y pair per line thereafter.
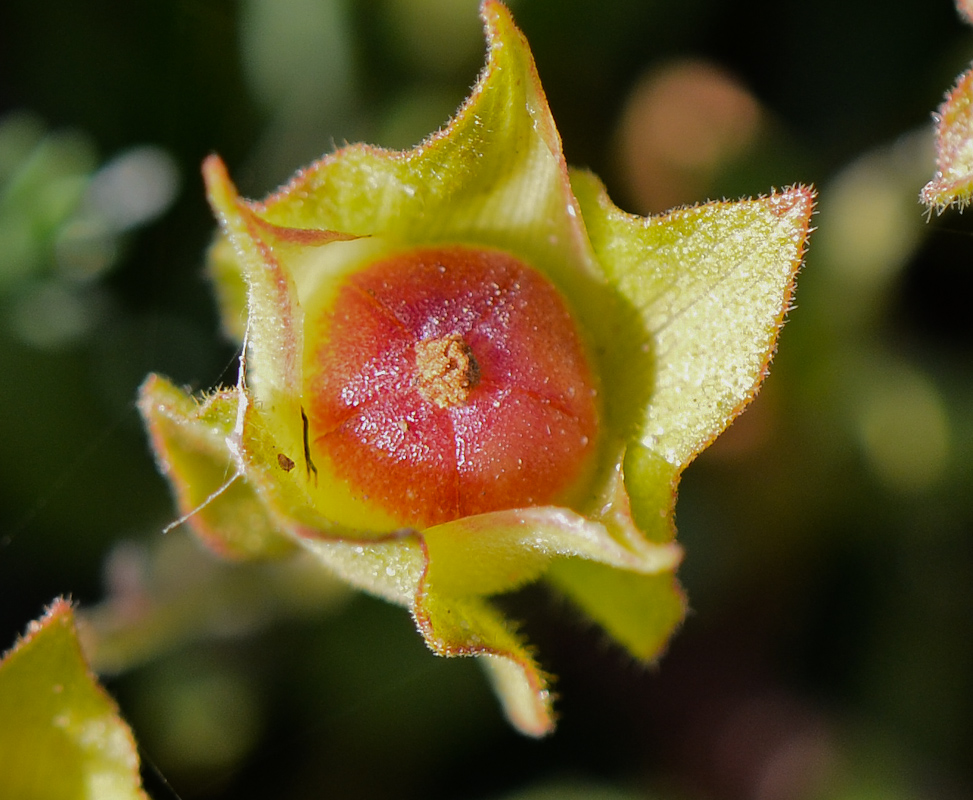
x,y
61,737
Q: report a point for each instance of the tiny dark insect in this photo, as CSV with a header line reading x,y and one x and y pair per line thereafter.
x,y
286,464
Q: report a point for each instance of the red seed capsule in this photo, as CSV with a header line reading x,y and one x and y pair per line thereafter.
x,y
452,382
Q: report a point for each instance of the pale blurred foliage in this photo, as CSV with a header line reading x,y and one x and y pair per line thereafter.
x,y
869,225
63,224
324,106
281,39
869,229
163,596
437,37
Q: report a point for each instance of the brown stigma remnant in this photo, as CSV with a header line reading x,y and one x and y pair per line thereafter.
x,y
446,370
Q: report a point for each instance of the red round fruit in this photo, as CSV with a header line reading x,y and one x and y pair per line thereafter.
x,y
450,382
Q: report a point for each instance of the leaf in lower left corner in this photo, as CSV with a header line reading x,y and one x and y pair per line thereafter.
x,y
61,736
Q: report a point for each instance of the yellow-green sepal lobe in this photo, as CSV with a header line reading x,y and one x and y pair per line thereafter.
x,y
190,439
712,285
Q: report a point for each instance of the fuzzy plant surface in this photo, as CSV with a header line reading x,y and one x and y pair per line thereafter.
x,y
61,736
464,370
952,184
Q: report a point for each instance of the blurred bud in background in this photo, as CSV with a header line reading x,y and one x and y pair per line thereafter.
x,y
683,124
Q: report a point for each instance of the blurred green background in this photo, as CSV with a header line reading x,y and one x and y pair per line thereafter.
x,y
829,533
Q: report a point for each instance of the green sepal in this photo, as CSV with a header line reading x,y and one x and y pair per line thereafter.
x,y
637,610
712,284
190,442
